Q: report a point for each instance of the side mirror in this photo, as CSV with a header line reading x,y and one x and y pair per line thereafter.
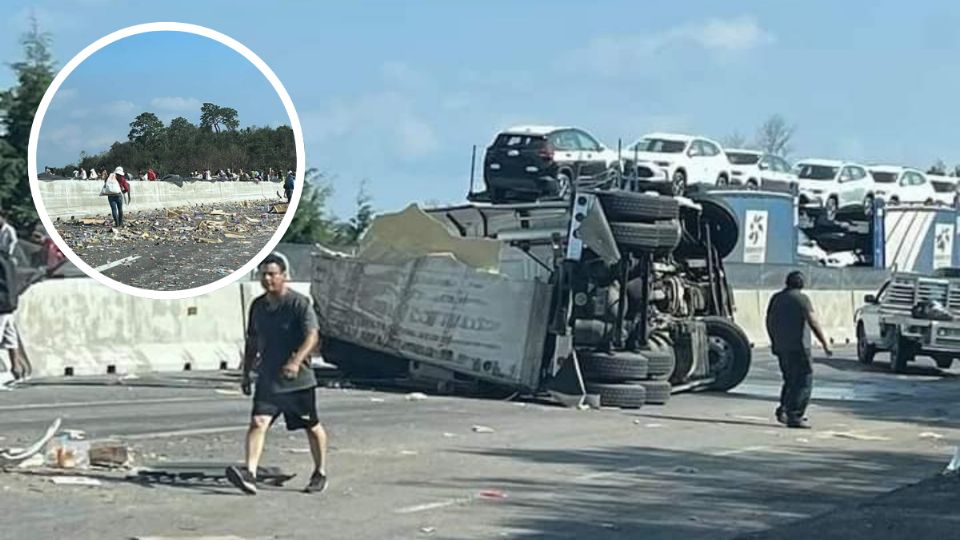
x,y
870,299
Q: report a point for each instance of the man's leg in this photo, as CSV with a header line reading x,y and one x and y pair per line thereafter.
x,y
256,438
120,211
318,447
804,382
784,388
8,341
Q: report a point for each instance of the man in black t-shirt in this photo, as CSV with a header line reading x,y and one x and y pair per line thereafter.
x,y
790,317
281,333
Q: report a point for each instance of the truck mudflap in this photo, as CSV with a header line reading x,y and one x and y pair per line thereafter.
x,y
439,311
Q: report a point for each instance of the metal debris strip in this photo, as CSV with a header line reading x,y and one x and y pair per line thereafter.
x,y
201,472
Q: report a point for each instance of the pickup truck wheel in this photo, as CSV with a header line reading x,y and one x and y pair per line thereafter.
x,y
868,203
678,184
901,354
830,209
729,353
943,362
865,351
662,236
612,367
658,392
721,219
625,396
631,207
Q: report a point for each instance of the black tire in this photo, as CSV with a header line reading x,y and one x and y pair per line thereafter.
x,y
729,352
625,396
630,207
943,362
865,351
678,183
661,361
723,180
659,236
830,209
563,184
901,354
868,202
658,392
752,184
612,367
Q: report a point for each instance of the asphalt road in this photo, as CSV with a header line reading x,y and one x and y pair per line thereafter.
x,y
706,466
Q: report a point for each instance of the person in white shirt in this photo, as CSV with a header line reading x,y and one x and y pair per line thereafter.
x,y
8,330
93,173
83,174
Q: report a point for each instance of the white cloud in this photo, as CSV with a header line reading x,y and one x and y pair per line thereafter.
x,y
615,54
121,108
176,104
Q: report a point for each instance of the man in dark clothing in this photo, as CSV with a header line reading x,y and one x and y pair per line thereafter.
x,y
790,317
281,333
288,185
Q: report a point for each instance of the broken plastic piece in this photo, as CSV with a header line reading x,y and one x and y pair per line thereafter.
x,y
483,429
75,481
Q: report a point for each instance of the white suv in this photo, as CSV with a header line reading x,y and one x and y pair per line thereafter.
x,y
685,159
945,190
896,185
755,169
832,185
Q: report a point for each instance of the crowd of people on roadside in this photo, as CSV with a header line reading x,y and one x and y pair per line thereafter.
x,y
221,175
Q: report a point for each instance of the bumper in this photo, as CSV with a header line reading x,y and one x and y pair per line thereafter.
x,y
520,183
932,336
811,200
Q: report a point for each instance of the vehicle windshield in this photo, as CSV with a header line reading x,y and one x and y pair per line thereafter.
x,y
743,158
816,172
943,187
884,177
661,146
511,140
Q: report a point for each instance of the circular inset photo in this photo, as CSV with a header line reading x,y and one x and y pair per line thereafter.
x,y
166,160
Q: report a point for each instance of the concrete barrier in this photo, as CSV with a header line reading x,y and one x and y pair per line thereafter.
x,y
80,327
66,198
835,310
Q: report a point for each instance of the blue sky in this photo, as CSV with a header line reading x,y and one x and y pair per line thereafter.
x,y
397,92
170,74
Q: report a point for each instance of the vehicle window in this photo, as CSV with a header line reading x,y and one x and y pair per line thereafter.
x,y
696,149
662,146
919,179
564,140
743,158
709,149
816,172
884,177
857,173
507,140
846,175
587,142
943,187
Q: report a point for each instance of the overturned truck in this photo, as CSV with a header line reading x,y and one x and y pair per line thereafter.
x,y
612,294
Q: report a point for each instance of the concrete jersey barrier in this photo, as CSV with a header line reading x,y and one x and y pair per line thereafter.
x,y
835,310
66,198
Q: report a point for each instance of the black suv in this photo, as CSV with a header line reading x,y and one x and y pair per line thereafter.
x,y
532,162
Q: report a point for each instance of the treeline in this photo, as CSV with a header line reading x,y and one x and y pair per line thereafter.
x,y
183,147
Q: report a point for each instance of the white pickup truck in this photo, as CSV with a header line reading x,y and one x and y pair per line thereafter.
x,y
912,315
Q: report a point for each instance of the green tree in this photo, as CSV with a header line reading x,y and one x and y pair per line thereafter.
x,y
228,118
311,223
145,128
210,117
938,168
351,231
18,106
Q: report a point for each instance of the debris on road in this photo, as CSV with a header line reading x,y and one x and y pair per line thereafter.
x,y
683,469
428,530
298,450
76,481
14,457
377,400
483,429
851,435
492,494
448,435
954,464
931,435
416,396
110,454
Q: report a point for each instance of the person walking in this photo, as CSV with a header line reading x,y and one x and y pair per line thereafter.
x,y
281,333
790,318
114,187
9,337
288,185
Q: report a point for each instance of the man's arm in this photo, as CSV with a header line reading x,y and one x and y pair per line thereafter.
x,y
818,331
249,354
311,338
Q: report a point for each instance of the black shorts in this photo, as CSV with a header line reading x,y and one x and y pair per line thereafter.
x,y
299,408
288,193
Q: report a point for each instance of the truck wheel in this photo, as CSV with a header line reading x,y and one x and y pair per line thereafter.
x,y
625,396
659,236
612,367
943,362
722,221
630,207
901,354
865,351
658,392
729,353
661,361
